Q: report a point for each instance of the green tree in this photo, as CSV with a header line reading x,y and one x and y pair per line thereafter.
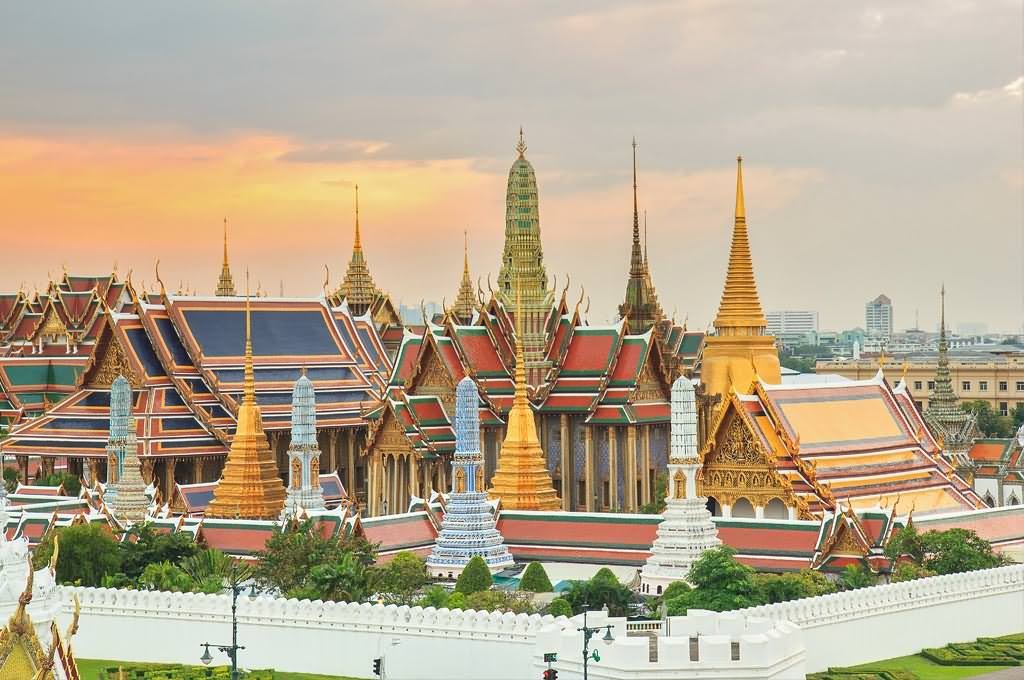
x,y
166,576
287,562
957,550
456,601
1017,414
602,590
211,570
535,579
559,607
497,601
476,577
905,543
144,545
908,571
675,589
855,576
88,554
72,484
346,580
798,364
11,479
400,579
434,596
772,588
657,505
720,583
990,423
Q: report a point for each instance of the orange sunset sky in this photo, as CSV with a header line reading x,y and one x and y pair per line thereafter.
x,y
882,146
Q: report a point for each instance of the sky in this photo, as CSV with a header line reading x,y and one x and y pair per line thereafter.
x,y
882,143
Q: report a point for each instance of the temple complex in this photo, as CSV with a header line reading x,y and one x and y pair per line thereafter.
x,y
522,481
954,428
687,530
125,491
740,347
468,527
249,486
304,491
522,270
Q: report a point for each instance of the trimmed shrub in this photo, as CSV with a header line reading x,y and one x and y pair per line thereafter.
x,y
535,579
168,672
475,578
559,607
456,601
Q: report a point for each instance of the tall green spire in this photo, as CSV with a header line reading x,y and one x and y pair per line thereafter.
x,y
522,261
641,302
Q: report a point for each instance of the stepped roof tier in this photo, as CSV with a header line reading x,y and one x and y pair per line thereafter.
x,y
466,301
955,428
740,348
808,449
249,487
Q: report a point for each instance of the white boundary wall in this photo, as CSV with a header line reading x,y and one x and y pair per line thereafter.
x,y
882,622
333,638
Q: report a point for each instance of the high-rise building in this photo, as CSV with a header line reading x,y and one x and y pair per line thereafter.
x,y
878,317
792,322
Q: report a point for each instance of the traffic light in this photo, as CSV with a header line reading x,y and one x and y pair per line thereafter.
x,y
551,674
377,663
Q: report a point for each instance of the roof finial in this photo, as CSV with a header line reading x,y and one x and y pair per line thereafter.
x,y
942,305
645,237
521,146
358,245
225,242
249,394
225,284
636,213
741,212
465,252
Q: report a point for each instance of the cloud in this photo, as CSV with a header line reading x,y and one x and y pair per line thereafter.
x,y
1009,92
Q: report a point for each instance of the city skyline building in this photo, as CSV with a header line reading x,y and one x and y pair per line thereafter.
x,y
878,317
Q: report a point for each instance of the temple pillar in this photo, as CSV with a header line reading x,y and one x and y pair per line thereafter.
x,y
47,466
94,471
565,455
330,452
758,512
645,446
22,462
631,464
350,454
413,481
791,510
197,470
613,469
169,465
372,496
588,467
726,510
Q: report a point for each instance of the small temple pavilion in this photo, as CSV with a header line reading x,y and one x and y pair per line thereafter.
x,y
125,495
468,527
304,490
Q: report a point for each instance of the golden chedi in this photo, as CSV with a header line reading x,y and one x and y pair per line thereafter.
x,y
740,347
249,486
522,481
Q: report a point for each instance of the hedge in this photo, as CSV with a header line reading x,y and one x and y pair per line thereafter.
x,y
1007,651
157,672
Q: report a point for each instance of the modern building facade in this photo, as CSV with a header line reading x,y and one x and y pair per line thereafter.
x,y
792,322
878,317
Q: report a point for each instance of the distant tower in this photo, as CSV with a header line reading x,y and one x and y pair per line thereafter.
x,y
641,302
740,344
225,284
522,481
126,492
466,302
468,528
303,452
955,428
522,271
358,287
687,530
878,317
249,487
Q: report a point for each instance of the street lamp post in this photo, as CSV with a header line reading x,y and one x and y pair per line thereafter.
x,y
232,649
589,632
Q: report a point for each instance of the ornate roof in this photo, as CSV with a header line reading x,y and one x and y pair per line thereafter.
x,y
640,305
358,288
225,284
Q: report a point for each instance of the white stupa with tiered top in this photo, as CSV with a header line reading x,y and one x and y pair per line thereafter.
x,y
468,528
687,530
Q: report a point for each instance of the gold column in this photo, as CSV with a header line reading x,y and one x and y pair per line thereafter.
x,y
169,464
332,443
631,464
566,458
197,470
588,467
613,469
22,469
350,477
413,482
646,447
372,494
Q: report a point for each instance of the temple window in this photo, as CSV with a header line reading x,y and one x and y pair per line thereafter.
x,y
1003,386
776,509
743,508
965,385
1020,385
917,384
983,385
1004,408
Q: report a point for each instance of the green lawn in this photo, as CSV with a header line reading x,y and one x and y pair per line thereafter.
x,y
90,670
925,669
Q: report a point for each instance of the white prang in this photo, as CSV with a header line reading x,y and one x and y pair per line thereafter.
x,y
687,530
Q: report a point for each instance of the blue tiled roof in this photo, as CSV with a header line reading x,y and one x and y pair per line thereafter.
x,y
221,333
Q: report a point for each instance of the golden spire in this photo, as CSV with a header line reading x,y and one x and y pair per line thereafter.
x,y
522,481
249,487
521,145
358,245
740,310
225,284
465,301
357,287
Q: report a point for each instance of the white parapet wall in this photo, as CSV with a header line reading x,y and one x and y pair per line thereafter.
x,y
333,638
886,621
